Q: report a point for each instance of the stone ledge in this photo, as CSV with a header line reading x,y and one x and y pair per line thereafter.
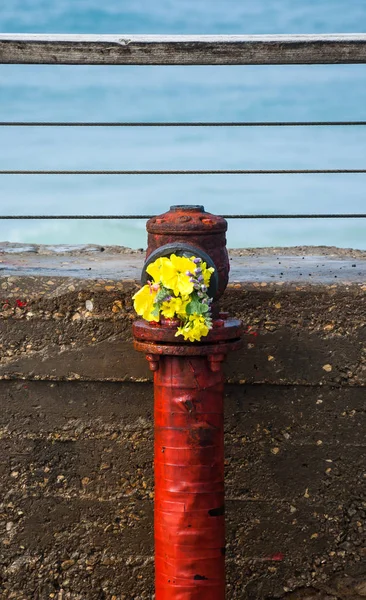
x,y
299,265
67,315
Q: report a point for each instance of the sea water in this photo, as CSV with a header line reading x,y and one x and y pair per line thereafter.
x,y
193,93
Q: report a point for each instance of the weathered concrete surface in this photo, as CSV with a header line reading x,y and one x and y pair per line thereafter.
x,y
77,325
76,489
76,427
295,265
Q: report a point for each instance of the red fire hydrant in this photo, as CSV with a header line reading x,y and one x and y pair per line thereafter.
x,y
189,420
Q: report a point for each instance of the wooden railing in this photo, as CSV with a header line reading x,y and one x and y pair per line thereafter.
x,y
182,49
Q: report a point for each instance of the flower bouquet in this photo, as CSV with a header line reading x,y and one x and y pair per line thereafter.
x,y
178,290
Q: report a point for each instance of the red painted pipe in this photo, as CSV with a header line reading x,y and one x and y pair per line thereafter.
x,y
189,480
189,439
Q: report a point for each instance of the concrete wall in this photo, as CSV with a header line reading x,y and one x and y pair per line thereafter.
x,y
76,431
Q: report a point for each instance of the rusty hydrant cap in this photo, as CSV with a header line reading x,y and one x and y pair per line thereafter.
x,y
188,230
186,219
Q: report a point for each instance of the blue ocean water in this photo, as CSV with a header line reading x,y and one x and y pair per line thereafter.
x,y
183,94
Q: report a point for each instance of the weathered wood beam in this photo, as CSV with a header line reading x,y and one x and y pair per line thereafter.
x,y
182,50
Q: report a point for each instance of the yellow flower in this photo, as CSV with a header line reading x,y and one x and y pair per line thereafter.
x,y
206,274
171,278
194,329
154,268
171,307
175,307
199,326
144,303
182,312
185,331
173,275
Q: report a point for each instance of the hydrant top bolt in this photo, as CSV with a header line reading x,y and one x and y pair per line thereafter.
x,y
187,207
153,360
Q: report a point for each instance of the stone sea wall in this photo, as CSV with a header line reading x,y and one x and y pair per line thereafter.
x,y
76,428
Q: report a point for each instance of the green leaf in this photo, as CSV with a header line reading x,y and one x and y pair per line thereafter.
x,y
156,310
194,306
162,294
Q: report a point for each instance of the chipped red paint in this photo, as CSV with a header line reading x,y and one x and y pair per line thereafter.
x,y
277,557
20,303
251,331
189,437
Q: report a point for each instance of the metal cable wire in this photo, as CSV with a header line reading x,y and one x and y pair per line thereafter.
x,y
117,217
183,172
182,124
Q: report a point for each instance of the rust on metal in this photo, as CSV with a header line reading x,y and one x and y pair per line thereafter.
x,y
223,330
191,228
